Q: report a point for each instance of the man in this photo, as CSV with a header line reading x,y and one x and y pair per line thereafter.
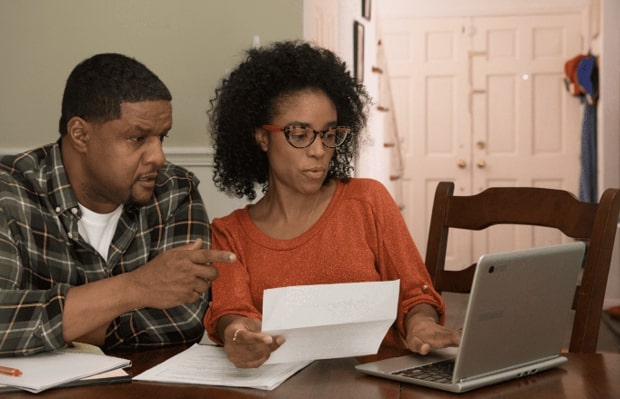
x,y
101,239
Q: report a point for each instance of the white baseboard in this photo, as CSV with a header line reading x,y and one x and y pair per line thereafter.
x,y
11,150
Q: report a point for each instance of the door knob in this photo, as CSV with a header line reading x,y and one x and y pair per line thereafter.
x,y
481,163
461,164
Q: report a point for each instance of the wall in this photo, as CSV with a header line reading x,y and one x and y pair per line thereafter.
x,y
374,159
190,44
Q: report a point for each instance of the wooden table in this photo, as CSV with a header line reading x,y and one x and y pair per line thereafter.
x,y
595,376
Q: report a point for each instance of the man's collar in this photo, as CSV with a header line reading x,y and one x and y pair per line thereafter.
x,y
59,190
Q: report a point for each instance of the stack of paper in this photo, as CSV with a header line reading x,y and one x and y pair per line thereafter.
x,y
64,367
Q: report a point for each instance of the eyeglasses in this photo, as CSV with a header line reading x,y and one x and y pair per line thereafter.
x,y
300,136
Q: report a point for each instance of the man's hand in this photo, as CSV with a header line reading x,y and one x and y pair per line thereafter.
x,y
178,276
173,278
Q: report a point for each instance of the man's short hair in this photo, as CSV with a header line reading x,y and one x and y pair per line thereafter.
x,y
98,85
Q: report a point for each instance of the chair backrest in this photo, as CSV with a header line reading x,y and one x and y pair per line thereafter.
x,y
596,224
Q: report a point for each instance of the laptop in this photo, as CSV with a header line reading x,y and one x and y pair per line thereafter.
x,y
515,324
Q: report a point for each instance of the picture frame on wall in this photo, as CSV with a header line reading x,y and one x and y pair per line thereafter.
x,y
358,51
366,9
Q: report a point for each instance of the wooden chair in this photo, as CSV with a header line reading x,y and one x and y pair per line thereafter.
x,y
596,224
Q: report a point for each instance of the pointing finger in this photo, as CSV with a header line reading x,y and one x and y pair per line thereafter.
x,y
206,256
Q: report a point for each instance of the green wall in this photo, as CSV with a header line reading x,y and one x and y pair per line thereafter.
x,y
190,44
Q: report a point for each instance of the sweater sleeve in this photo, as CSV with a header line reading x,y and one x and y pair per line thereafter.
x,y
231,289
398,256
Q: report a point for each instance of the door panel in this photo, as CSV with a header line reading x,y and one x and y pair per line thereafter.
x,y
524,114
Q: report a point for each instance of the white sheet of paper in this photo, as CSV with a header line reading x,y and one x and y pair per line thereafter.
x,y
327,321
209,365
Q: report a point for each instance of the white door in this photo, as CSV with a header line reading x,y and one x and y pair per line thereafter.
x,y
481,102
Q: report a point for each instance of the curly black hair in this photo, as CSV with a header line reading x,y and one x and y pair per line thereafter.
x,y
98,85
248,97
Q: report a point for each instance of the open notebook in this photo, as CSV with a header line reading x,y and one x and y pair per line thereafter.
x,y
515,324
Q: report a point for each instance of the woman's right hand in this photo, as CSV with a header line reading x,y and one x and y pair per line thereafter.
x,y
244,344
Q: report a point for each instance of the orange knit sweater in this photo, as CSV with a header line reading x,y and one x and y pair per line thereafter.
x,y
361,236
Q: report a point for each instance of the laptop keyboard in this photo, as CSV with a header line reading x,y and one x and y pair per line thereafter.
x,y
436,372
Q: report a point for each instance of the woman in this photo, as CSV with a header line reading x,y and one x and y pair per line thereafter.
x,y
289,119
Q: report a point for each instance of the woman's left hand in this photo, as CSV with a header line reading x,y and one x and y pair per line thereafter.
x,y
425,333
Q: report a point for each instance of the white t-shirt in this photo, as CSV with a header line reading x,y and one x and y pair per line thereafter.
x,y
98,228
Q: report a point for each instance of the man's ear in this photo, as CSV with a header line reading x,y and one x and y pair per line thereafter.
x,y
262,138
78,133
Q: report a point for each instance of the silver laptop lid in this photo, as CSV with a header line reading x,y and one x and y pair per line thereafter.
x,y
519,309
